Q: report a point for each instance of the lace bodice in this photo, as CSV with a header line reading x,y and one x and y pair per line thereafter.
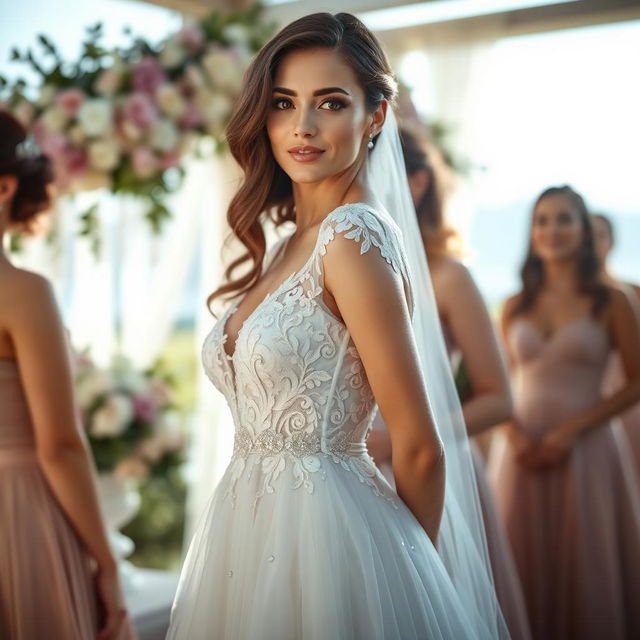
x,y
295,383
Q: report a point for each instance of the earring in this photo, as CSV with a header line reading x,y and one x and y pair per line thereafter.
x,y
370,143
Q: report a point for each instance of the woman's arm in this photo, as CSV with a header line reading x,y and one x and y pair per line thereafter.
x,y
43,359
624,331
372,303
462,309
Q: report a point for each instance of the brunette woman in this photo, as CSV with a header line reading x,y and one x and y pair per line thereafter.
x,y
58,577
563,477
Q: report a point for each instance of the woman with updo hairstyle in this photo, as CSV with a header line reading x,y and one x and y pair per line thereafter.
x,y
58,576
473,348
303,538
564,479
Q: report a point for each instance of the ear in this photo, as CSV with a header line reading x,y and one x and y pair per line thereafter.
x,y
378,117
8,188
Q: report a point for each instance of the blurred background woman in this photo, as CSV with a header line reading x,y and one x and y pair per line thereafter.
x,y
51,527
469,335
564,481
604,237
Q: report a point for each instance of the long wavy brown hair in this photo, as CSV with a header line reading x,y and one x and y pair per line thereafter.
x,y
266,190
532,271
437,235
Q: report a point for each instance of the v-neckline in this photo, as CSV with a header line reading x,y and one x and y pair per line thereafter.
x,y
296,274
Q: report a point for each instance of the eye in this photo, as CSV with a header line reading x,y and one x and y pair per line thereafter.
x,y
333,104
281,104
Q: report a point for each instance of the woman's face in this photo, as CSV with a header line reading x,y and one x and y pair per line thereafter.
x,y
557,232
318,124
602,239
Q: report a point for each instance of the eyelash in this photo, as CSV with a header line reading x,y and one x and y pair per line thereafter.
x,y
340,104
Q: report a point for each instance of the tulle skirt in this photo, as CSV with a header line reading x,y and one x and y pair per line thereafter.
x,y
333,560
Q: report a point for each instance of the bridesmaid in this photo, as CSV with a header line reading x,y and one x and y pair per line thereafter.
x,y
614,378
58,578
565,483
470,338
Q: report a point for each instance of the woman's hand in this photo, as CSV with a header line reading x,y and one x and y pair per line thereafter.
x,y
554,448
111,605
524,447
379,445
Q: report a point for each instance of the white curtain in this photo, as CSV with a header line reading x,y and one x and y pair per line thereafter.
x,y
212,428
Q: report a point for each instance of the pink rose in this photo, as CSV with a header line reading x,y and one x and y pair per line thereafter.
x,y
147,75
140,110
191,118
145,408
75,160
70,100
169,160
191,37
51,144
144,162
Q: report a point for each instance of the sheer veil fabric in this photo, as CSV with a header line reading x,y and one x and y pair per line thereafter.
x,y
461,542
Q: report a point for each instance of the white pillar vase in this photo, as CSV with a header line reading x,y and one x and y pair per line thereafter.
x,y
120,501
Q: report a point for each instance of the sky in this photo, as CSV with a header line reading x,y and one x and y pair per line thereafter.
x,y
65,21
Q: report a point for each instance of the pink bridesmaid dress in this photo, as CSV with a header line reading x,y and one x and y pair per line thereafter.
x,y
574,528
46,583
630,420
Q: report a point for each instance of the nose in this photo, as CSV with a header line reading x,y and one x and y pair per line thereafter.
x,y
305,126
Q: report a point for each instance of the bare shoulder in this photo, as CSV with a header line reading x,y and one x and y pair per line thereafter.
x,y
27,293
451,272
508,308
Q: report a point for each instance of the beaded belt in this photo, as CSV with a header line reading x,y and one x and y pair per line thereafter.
x,y
297,445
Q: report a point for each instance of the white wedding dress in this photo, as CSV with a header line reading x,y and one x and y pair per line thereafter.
x,y
303,538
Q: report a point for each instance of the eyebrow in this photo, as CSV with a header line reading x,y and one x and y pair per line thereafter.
x,y
318,92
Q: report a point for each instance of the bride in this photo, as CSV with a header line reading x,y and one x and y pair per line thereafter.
x,y
303,537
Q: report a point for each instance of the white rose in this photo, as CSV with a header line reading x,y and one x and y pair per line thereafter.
x,y
91,180
194,76
104,154
151,449
215,107
91,385
113,417
76,135
47,93
131,468
237,34
172,53
170,101
54,119
96,117
223,70
109,80
130,131
164,136
24,112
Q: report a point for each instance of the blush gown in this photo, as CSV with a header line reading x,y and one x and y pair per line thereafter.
x,y
303,539
46,586
630,420
574,529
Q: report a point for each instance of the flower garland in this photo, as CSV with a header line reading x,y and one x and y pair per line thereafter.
x,y
131,424
124,118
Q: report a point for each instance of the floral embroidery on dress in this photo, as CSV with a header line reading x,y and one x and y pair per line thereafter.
x,y
297,388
